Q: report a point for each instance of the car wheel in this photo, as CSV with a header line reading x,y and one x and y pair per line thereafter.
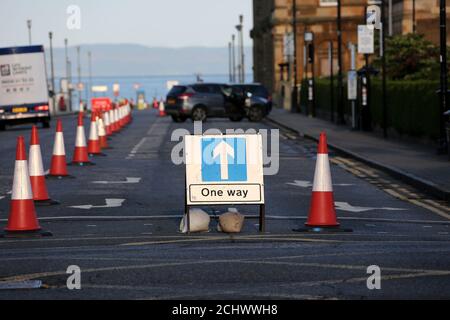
x,y
2,127
255,114
178,119
234,113
199,114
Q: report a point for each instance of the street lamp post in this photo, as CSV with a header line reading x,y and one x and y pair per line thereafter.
x,y
233,56
383,67
29,31
294,32
90,77
230,72
340,106
330,59
239,29
68,74
79,75
52,68
241,21
443,76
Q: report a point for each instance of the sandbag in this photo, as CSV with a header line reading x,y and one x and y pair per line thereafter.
x,y
199,221
231,222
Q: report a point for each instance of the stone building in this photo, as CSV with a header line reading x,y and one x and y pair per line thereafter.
x,y
272,36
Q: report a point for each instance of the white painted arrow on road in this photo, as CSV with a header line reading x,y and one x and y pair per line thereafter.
x,y
223,150
345,206
128,181
110,203
308,184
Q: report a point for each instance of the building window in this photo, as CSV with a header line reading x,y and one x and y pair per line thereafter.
x,y
328,3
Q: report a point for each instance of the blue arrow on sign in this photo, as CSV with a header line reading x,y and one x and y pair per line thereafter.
x,y
224,159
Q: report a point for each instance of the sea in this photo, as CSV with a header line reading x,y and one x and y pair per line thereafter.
x,y
152,86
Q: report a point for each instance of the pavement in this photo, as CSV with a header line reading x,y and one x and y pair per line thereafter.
x,y
131,248
414,163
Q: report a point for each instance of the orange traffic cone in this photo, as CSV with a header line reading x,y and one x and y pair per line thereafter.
x,y
80,155
102,138
94,148
119,118
114,126
22,220
36,171
322,213
107,124
162,109
58,167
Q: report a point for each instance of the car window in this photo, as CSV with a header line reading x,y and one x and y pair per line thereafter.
x,y
215,89
259,91
177,90
201,89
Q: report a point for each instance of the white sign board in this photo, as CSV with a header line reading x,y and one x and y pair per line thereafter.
x,y
99,89
352,85
23,78
224,169
288,44
366,39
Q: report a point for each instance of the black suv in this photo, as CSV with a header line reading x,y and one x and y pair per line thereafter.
x,y
202,100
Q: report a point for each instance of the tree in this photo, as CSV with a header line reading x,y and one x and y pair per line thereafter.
x,y
411,57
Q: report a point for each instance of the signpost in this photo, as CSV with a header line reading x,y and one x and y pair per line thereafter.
x,y
366,39
224,169
116,89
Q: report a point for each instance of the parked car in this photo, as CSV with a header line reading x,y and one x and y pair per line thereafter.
x,y
259,94
204,100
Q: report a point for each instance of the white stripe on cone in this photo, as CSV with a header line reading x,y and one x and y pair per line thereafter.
x,y
81,137
112,116
116,114
322,176
107,123
36,168
101,128
93,134
58,148
21,186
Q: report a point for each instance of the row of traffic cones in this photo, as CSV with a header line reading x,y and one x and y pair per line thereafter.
x,y
29,186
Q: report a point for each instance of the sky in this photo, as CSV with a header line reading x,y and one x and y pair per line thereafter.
x,y
153,23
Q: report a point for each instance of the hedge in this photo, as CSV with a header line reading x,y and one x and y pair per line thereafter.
x,y
413,106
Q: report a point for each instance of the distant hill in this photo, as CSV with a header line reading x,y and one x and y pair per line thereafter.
x,y
138,60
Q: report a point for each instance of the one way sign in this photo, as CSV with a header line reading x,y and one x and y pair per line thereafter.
x,y
224,169
224,159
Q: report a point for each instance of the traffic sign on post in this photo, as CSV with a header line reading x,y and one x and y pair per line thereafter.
x,y
224,169
366,39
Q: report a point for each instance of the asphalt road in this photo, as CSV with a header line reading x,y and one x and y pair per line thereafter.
x,y
134,251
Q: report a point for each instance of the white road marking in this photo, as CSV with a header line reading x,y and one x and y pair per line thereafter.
x,y
308,184
137,147
345,206
128,181
110,203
